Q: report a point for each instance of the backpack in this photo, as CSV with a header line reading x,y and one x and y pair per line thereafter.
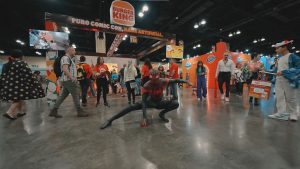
x,y
57,66
81,74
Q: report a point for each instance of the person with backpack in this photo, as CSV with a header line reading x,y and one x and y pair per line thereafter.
x,y
84,73
65,69
101,75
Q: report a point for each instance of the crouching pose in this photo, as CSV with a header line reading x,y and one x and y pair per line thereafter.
x,y
152,97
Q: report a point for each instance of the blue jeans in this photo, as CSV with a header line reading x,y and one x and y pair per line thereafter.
x,y
174,90
138,88
201,87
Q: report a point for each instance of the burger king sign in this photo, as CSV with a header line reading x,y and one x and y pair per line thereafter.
x,y
122,13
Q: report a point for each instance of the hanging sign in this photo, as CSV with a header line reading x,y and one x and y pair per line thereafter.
x,y
122,13
133,39
56,22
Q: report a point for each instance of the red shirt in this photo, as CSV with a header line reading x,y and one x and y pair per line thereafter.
x,y
87,68
174,68
155,88
102,69
145,71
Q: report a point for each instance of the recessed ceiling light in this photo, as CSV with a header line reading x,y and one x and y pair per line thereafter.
x,y
293,47
230,35
198,45
262,39
203,22
255,41
145,8
238,32
177,18
141,14
196,26
297,51
1,51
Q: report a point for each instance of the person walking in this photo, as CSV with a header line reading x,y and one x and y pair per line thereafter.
x,y
201,81
17,85
101,76
84,73
286,95
224,71
146,71
129,78
121,80
174,74
69,84
114,80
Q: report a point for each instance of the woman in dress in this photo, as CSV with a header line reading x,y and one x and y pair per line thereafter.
x,y
17,85
101,74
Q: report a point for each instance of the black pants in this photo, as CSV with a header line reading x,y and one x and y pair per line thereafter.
x,y
166,105
130,91
224,77
239,87
84,84
253,77
102,86
114,86
145,80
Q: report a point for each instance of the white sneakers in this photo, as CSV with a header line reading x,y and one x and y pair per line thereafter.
x,y
226,99
199,99
284,116
222,96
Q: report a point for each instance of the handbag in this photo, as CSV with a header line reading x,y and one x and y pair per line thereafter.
x,y
133,85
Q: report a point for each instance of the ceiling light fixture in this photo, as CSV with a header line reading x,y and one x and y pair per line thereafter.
x,y
238,32
141,14
203,22
18,41
198,45
255,41
262,39
74,46
297,51
247,50
38,53
194,47
145,8
1,51
22,43
293,47
196,26
230,35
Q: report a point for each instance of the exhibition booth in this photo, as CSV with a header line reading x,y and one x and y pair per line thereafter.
x,y
210,61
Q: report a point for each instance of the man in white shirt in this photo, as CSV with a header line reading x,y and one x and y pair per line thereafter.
x,y
286,100
224,71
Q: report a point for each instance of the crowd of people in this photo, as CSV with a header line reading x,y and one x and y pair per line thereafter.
x,y
19,84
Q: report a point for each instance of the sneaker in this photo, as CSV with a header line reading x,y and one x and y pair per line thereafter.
x,y
279,116
294,118
199,99
227,99
54,113
222,96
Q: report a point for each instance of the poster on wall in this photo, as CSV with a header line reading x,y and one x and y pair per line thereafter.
x,y
174,51
52,89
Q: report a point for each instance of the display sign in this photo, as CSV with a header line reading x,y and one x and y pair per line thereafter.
x,y
41,39
122,13
174,51
115,44
56,22
260,89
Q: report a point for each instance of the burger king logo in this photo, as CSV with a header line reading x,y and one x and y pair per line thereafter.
x,y
122,13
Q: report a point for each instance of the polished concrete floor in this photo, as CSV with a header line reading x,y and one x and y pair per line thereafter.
x,y
210,135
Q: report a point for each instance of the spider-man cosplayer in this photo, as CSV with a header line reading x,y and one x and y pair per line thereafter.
x,y
152,97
